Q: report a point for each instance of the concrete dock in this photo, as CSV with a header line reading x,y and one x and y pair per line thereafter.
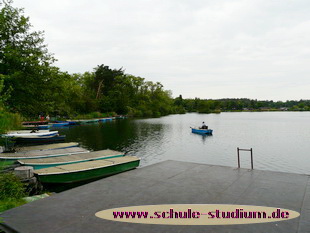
x,y
168,182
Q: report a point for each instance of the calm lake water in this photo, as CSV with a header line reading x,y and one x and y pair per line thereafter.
x,y
280,140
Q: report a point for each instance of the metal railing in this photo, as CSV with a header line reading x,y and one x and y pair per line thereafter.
x,y
251,150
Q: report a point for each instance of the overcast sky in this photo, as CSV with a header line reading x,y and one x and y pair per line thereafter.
x,y
257,49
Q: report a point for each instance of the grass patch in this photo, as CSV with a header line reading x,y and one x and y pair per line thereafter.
x,y
10,203
5,163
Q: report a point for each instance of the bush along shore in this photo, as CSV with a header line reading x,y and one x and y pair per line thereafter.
x,y
12,191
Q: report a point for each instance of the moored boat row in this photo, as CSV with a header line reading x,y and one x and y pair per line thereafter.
x,y
68,163
57,123
70,159
63,162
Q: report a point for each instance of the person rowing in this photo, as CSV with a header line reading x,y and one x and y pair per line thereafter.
x,y
204,126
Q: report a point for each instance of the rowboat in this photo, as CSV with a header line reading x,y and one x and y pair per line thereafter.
x,y
47,147
42,154
89,121
34,122
40,140
44,126
27,131
70,159
202,131
71,122
105,119
71,173
30,126
31,134
59,124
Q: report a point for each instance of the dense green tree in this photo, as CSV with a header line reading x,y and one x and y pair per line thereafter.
x,y
104,79
25,64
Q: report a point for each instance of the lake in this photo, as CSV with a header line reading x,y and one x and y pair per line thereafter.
x,y
280,140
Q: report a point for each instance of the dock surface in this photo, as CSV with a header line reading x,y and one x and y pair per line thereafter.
x,y
168,182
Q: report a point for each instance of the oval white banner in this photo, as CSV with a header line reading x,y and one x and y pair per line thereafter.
x,y
198,214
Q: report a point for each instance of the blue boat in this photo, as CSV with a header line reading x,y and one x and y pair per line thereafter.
x,y
44,126
202,131
74,122
59,124
106,119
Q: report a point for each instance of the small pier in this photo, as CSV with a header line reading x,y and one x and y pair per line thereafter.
x,y
168,182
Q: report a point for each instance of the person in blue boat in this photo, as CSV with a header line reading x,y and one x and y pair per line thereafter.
x,y
204,126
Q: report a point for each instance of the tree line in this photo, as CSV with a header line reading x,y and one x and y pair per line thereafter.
x,y
243,104
30,83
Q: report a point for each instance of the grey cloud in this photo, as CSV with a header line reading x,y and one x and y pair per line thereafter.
x,y
209,49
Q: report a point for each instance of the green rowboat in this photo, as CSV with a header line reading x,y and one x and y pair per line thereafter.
x,y
87,170
70,159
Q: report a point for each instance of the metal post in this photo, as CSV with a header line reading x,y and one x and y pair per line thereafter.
x,y
238,153
252,158
238,157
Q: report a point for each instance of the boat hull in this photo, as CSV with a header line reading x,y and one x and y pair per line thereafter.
x,y
27,131
38,154
202,131
47,147
72,177
74,123
38,134
44,126
42,166
36,166
62,124
34,122
41,140
91,121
